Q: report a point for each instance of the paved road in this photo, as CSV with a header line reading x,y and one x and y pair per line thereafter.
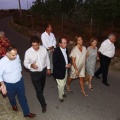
x,y
101,104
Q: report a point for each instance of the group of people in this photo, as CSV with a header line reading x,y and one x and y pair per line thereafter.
x,y
43,57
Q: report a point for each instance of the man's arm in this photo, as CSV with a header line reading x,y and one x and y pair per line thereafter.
x,y
43,39
3,88
48,63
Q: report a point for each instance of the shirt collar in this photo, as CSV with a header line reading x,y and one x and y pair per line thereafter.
x,y
109,41
63,49
47,33
35,50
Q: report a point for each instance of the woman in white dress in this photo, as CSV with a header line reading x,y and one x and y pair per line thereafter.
x,y
78,56
91,61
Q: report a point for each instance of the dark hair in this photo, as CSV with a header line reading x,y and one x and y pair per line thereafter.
x,y
76,39
35,39
47,25
60,40
10,47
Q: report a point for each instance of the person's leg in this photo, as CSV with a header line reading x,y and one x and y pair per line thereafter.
x,y
64,80
36,80
43,79
99,71
60,88
51,60
21,97
81,81
90,83
68,84
105,69
11,92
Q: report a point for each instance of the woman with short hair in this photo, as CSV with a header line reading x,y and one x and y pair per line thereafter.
x,y
91,58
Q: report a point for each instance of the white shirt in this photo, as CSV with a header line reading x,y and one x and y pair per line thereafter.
x,y
48,40
65,55
10,70
107,48
40,58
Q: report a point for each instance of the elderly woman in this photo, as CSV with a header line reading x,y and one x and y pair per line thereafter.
x,y
91,58
78,56
4,42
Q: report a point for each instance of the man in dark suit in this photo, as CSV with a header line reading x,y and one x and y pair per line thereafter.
x,y
61,63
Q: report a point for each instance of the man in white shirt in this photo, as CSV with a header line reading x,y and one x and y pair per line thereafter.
x,y
37,61
61,63
49,42
10,75
107,51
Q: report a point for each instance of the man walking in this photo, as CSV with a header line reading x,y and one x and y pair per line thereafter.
x,y
107,51
10,73
37,61
61,63
49,42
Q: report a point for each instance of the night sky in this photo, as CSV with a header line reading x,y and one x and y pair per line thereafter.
x,y
11,4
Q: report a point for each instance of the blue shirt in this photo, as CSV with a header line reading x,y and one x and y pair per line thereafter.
x,y
10,70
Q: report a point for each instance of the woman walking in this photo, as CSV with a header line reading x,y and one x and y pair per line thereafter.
x,y
78,56
91,61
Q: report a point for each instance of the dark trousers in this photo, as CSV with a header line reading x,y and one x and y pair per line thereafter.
x,y
18,89
104,65
38,80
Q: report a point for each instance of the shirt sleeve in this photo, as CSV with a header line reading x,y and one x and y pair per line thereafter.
x,y
54,41
103,47
1,73
27,63
47,60
19,62
43,39
73,53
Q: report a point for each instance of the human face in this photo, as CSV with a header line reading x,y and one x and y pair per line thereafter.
x,y
12,54
63,43
80,41
94,43
3,36
35,46
49,28
112,39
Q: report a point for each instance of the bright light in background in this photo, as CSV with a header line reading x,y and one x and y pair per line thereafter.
x,y
13,4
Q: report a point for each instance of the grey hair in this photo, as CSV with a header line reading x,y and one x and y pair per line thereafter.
x,y
1,33
111,35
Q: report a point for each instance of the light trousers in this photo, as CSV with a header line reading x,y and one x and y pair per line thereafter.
x,y
61,85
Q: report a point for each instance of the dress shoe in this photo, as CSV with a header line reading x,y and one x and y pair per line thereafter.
x,y
61,100
98,77
30,115
15,108
44,109
105,83
64,95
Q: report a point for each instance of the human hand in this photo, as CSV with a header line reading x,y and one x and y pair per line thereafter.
x,y
68,65
48,72
34,66
3,88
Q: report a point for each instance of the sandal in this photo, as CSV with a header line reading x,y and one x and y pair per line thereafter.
x,y
84,93
68,88
90,87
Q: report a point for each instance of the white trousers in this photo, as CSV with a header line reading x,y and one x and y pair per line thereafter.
x,y
61,85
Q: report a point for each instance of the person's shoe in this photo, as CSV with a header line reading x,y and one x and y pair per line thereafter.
x,y
30,115
61,100
15,108
44,109
105,83
98,77
64,95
